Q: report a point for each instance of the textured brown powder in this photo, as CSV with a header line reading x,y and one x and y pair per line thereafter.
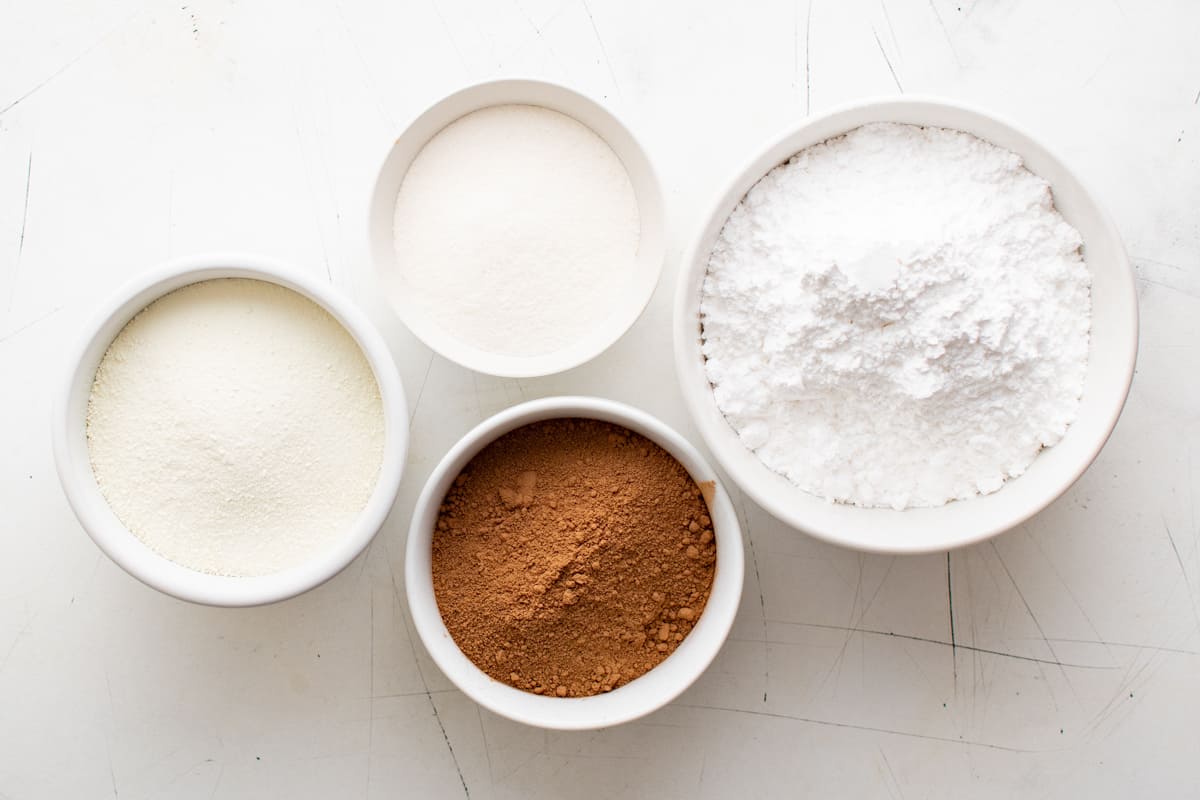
x,y
572,556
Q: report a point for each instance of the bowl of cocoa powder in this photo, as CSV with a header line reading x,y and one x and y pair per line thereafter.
x,y
573,563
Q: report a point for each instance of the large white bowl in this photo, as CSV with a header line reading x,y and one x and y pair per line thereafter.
x,y
69,429
381,221
1111,357
638,697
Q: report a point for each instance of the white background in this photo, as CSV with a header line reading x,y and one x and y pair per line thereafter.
x,y
133,131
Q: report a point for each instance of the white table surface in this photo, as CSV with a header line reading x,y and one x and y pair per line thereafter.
x,y
1060,659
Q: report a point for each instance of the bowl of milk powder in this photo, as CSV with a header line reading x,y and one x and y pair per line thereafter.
x,y
232,431
905,326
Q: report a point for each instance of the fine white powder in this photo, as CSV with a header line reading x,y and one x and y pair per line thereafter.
x,y
235,427
516,230
897,317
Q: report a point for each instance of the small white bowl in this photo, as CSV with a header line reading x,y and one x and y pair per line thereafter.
x,y
69,429
638,697
381,221
1113,350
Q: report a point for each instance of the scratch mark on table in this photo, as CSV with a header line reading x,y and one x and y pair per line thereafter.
x,y
524,763
1131,646
603,50
977,673
945,31
330,189
1063,581
888,19
1197,100
1049,688
807,60
1126,692
887,60
1124,689
1169,287
537,30
217,783
968,648
599,757
421,391
475,393
312,196
917,666
21,633
12,289
856,727
29,325
848,627
1192,508
870,602
487,750
1158,263
762,603
795,45
1036,623
1103,63
418,693
371,691
83,54
47,80
368,81
449,34
1183,570
363,559
421,674
170,211
112,773
899,790
953,639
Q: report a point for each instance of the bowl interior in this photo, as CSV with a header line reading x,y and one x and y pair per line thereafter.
x,y
74,464
1113,348
636,698
557,98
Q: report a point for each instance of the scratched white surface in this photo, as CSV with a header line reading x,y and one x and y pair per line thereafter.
x,y
1062,659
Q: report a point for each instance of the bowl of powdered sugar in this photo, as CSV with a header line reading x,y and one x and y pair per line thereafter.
x,y
905,327
232,432
516,227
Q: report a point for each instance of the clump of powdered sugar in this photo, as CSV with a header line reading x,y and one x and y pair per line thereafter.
x,y
897,317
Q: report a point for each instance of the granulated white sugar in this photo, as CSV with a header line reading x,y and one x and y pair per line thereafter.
x,y
235,427
898,317
516,230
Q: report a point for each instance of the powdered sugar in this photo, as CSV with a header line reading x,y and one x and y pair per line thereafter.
x,y
897,317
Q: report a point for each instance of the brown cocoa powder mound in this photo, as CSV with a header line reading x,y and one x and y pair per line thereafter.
x,y
572,556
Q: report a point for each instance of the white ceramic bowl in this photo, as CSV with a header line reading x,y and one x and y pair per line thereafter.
x,y
638,697
69,428
395,166
1110,367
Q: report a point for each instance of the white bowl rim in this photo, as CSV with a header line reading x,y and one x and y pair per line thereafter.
x,y
125,549
650,206
635,699
683,313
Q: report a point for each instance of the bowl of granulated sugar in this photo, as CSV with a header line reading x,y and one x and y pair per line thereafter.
x,y
516,227
573,563
232,432
905,326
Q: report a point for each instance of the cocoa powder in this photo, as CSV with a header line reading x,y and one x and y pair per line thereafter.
x,y
572,556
